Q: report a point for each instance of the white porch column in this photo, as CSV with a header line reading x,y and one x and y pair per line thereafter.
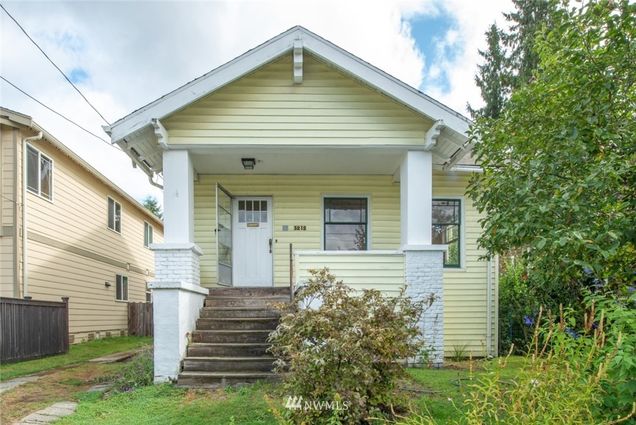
x,y
423,262
176,291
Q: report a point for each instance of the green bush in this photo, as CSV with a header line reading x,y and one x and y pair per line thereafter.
x,y
136,373
341,358
517,307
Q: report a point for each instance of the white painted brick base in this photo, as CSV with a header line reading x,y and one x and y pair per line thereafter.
x,y
424,278
177,299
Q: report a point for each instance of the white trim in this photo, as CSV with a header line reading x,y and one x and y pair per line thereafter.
x,y
271,50
298,61
152,231
430,139
345,195
424,248
177,246
182,286
338,253
121,215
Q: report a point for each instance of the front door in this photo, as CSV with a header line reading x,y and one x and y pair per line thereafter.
x,y
252,247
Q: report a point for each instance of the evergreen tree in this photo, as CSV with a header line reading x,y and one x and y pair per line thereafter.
x,y
152,205
528,18
492,78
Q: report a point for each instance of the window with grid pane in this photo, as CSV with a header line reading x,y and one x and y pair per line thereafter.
x,y
346,224
252,211
446,229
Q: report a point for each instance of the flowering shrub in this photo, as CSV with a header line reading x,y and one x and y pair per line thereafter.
x,y
340,351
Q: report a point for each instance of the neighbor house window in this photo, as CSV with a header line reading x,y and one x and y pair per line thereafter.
x,y
114,215
147,235
346,224
446,228
121,292
148,294
39,173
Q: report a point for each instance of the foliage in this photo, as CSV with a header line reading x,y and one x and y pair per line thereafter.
x,y
152,205
78,353
560,382
619,318
559,178
136,373
344,350
492,76
460,352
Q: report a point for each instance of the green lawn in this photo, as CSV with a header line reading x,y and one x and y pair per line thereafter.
x,y
438,391
78,353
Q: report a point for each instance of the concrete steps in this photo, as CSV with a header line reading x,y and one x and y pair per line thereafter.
x,y
229,345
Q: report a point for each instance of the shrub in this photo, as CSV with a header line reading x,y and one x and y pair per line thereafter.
x,y
136,373
562,381
343,348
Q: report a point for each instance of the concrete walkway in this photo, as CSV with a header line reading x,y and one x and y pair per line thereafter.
x,y
50,414
16,382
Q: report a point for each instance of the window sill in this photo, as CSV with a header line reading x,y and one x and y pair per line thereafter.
x,y
114,231
454,269
44,198
122,301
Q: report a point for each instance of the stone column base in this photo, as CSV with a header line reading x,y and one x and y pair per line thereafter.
x,y
424,268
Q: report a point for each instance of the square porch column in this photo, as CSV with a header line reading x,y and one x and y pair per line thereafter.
x,y
423,262
176,291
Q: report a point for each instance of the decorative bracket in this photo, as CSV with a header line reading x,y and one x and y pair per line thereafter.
x,y
430,139
161,133
298,61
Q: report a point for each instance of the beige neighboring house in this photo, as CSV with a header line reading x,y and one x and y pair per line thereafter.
x,y
86,238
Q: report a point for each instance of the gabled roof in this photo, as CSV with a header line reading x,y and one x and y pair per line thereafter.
x,y
138,124
20,119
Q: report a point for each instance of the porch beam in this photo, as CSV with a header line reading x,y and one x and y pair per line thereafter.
x,y
178,197
416,198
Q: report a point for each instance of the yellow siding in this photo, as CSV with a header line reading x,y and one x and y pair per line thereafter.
x,y
267,108
381,271
7,210
71,252
297,200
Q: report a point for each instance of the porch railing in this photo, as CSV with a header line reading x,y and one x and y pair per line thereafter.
x,y
381,270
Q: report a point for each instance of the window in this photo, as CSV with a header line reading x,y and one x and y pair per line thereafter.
x,y
446,228
121,288
114,215
147,235
252,211
346,224
39,173
148,294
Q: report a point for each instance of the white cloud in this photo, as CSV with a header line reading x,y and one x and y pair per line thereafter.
x,y
134,52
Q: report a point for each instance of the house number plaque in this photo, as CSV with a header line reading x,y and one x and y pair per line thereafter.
x,y
301,228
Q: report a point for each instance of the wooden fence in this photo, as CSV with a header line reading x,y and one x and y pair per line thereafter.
x,y
140,319
30,329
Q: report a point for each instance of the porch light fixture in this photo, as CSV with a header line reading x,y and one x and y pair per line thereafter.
x,y
248,163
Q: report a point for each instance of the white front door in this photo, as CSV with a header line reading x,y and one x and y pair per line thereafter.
x,y
252,244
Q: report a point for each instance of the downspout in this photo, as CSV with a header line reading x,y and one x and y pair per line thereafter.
x,y
15,258
25,280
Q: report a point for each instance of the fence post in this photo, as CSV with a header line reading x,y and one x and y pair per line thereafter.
x,y
67,324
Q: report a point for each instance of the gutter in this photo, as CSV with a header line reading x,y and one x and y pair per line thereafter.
x,y
25,276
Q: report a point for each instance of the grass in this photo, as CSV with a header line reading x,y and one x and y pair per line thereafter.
x,y
438,391
166,404
77,354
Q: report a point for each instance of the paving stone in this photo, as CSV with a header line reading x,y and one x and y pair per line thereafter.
x,y
49,414
13,383
114,358
99,388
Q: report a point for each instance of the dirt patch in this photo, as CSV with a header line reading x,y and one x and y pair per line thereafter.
x,y
54,386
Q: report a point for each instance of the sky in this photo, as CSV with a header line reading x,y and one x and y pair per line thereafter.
x,y
123,55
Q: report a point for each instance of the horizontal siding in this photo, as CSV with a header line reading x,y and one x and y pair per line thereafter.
x,y
297,200
7,209
266,107
55,273
382,272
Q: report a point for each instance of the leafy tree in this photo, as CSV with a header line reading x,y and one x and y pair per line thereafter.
x,y
152,205
492,77
559,178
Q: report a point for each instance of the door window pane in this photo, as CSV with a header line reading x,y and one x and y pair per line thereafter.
x,y
346,224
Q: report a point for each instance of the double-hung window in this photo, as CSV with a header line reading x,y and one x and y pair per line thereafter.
x,y
447,229
114,215
147,235
39,173
121,288
346,224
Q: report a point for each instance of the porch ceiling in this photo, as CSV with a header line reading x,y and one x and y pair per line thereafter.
x,y
309,160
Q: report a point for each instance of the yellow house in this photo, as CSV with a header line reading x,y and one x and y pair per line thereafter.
x,y
85,238
299,155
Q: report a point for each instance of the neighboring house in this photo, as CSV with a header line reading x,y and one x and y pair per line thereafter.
x,y
299,155
86,239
